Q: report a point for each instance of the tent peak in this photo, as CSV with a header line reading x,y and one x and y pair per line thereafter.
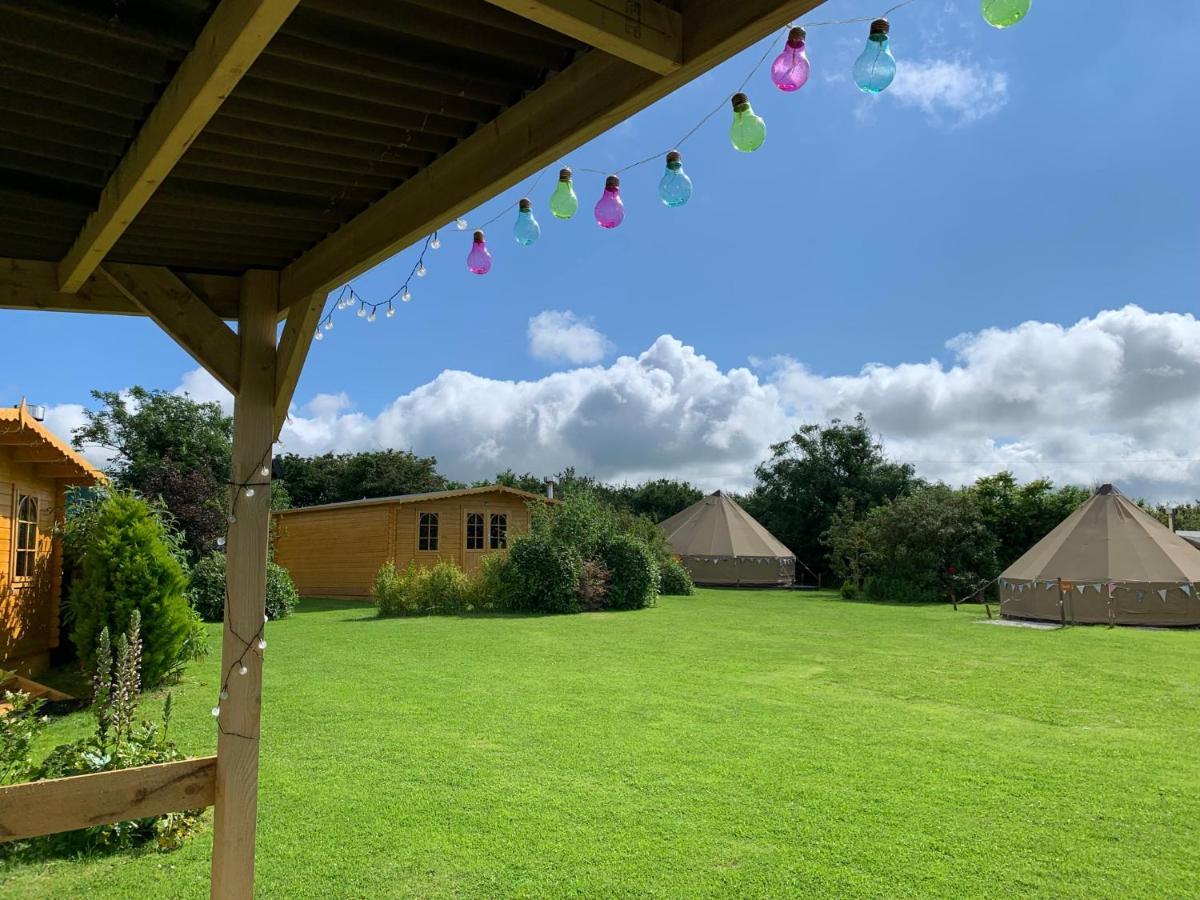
x,y
1107,489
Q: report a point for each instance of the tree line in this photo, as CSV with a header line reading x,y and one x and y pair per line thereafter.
x,y
828,492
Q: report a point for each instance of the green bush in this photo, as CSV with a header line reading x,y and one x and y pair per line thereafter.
x,y
633,572
494,588
674,578
206,589
443,589
545,574
127,567
849,590
898,589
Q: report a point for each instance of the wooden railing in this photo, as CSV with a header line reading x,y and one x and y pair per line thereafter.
x,y
81,801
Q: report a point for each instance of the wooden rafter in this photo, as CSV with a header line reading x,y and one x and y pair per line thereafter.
x,y
302,321
182,315
589,97
642,32
232,39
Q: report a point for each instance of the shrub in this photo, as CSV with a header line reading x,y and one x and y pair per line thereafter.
x,y
898,589
493,584
545,574
675,580
443,589
206,589
849,590
593,586
127,567
634,578
120,741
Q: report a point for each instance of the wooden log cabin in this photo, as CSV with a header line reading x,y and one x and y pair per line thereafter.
x,y
36,468
336,549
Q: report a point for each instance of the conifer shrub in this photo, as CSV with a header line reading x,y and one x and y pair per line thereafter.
x,y
127,567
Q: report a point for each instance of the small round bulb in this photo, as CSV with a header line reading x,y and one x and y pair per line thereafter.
x,y
242,670
249,492
329,324
391,311
421,270
362,311
435,244
610,209
371,316
264,472
319,335
460,224
406,296
232,519
262,643
216,711
224,695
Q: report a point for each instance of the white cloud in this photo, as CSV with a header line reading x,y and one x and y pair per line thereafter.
x,y
561,336
203,388
1110,398
950,91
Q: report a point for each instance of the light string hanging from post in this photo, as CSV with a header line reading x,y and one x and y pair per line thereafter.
x,y
873,72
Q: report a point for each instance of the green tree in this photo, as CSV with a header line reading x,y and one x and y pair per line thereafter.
x,y
168,447
127,567
809,475
336,477
658,499
1020,515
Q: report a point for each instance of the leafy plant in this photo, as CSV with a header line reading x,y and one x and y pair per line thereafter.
x,y
127,567
206,589
545,574
593,586
441,589
674,578
634,573
18,730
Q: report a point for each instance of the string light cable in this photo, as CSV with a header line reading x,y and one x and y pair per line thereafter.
x,y
873,73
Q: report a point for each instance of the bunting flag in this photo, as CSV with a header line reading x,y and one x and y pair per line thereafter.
x,y
1081,588
1162,592
1187,589
1112,587
1140,595
1050,585
1097,587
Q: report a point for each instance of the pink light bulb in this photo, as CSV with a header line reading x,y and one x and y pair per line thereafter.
x,y
479,261
609,208
790,69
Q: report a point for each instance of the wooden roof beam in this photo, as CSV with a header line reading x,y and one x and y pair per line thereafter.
x,y
235,35
302,322
643,32
165,298
584,100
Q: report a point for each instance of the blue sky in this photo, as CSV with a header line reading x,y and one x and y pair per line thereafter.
x,y
1040,174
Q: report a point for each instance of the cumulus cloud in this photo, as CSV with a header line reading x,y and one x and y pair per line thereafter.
x,y
950,91
561,336
1109,398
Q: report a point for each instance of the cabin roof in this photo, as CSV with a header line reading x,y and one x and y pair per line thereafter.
x,y
56,459
420,498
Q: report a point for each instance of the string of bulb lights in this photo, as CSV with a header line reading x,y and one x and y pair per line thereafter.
x,y
873,72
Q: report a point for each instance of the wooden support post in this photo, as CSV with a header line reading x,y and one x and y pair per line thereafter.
x,y
246,578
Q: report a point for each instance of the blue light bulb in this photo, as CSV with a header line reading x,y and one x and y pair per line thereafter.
x,y
875,69
526,230
675,188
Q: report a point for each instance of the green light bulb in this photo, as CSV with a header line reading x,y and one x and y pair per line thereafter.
x,y
564,203
1003,13
748,130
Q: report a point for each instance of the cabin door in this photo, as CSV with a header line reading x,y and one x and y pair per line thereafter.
x,y
474,539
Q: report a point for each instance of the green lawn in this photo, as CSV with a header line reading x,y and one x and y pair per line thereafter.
x,y
732,743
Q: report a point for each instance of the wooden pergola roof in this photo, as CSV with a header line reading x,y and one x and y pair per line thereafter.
x,y
197,161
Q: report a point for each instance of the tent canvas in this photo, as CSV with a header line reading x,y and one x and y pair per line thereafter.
x,y
721,544
1109,561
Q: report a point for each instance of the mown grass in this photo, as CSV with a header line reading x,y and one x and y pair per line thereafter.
x,y
731,743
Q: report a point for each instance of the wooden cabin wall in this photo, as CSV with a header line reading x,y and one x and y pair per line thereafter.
x,y
28,608
338,552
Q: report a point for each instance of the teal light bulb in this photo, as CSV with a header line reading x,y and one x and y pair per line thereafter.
x,y
564,203
748,130
675,188
876,67
1003,13
526,230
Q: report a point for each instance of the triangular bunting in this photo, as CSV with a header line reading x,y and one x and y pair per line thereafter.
x,y
1187,589
1162,592
1081,588
1097,587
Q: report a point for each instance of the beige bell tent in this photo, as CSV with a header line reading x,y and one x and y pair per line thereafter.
x,y
721,544
1109,561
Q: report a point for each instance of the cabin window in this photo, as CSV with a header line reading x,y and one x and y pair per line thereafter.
x,y
27,536
499,531
474,531
427,532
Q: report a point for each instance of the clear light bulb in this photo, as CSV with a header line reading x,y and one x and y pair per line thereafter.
x,y
319,336
249,492
748,130
262,643
242,670
479,260
435,244
421,270
391,311
362,310
526,230
224,695
460,224
610,210
675,188
790,69
1003,13
329,324
264,472
876,67
406,296
216,711
564,203
371,315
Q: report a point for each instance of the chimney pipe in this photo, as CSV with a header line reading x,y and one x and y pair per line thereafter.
x,y
549,488
1171,518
